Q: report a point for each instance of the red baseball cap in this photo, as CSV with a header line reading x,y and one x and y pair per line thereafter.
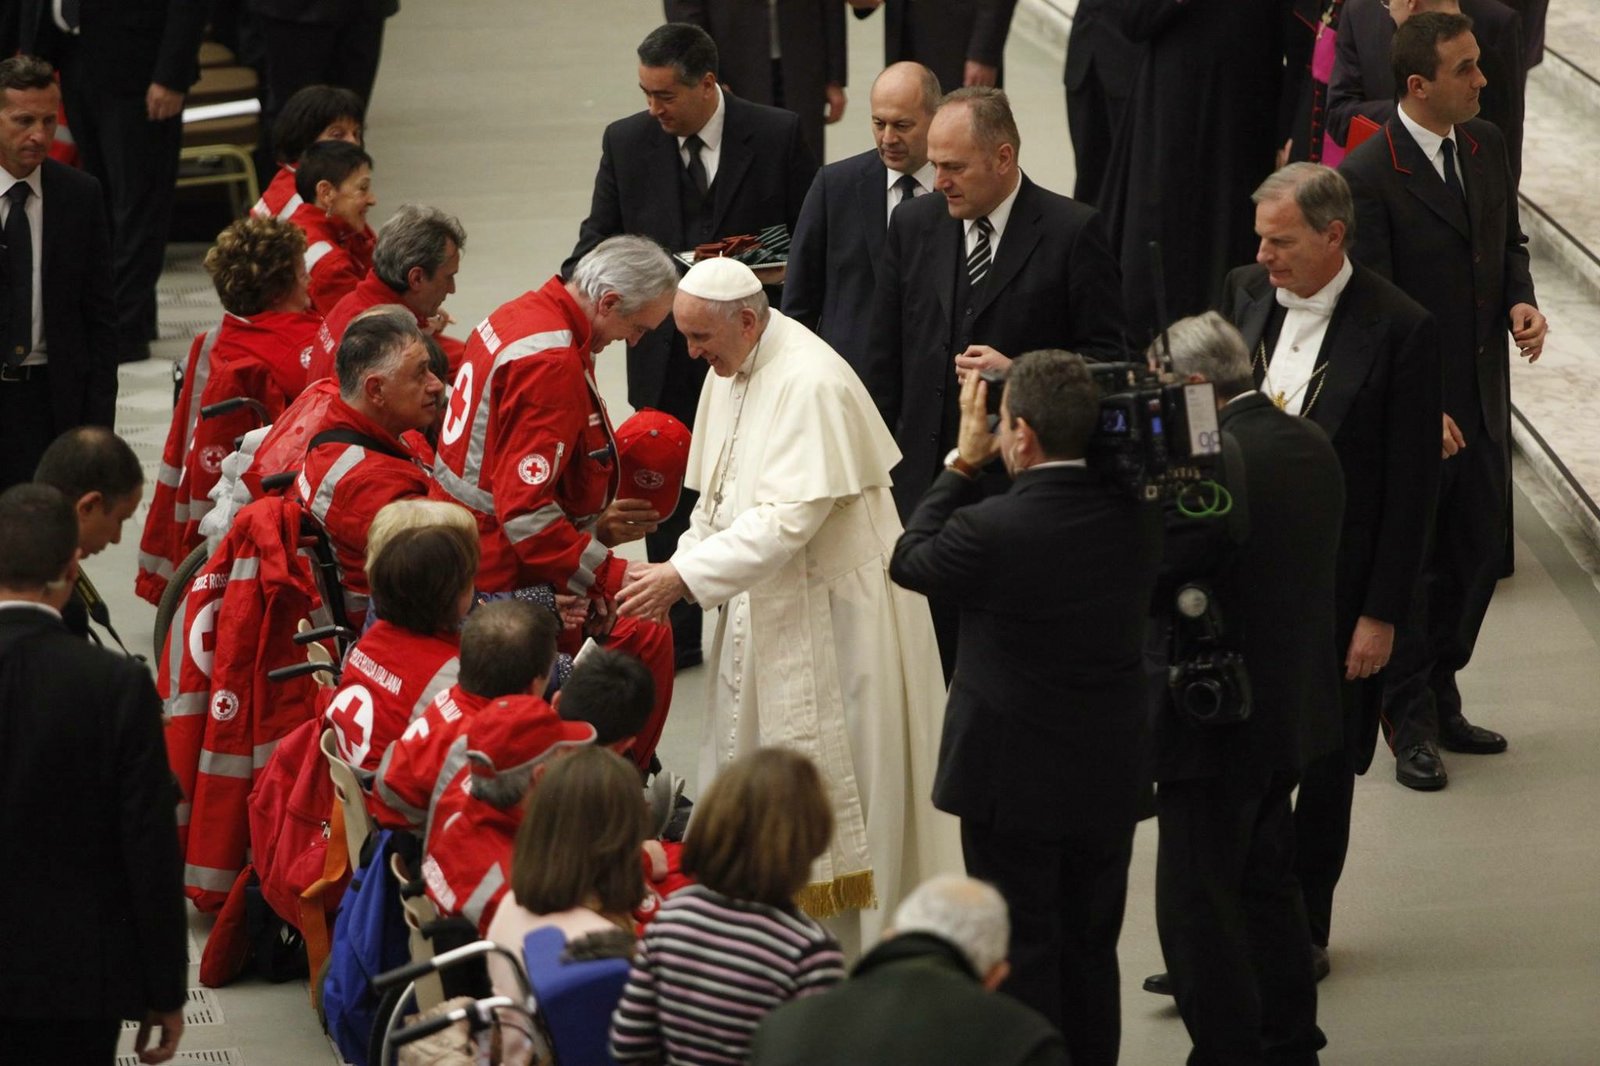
x,y
653,454
514,732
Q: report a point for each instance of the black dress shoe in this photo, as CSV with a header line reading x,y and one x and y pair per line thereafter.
x,y
1319,961
1159,983
1458,734
1420,767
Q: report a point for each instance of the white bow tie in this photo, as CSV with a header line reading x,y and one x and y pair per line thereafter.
x,y
1320,304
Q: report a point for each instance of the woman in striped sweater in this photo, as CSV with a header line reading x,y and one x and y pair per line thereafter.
x,y
725,951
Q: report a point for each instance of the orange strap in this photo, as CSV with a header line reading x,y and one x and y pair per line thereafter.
x,y
313,914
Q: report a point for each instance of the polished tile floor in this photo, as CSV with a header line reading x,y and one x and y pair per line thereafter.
x,y
1468,930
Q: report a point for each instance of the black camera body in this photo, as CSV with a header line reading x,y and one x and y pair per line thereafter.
x,y
1207,682
1153,438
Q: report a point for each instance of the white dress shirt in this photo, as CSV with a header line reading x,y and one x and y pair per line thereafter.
x,y
997,219
1432,145
34,209
1288,378
711,139
894,199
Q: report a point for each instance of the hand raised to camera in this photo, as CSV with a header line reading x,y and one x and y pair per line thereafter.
x,y
976,444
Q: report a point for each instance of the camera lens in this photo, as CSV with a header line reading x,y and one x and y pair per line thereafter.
x,y
1202,699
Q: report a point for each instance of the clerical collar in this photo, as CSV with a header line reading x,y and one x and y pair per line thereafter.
x,y
1323,300
35,604
1056,463
924,177
1242,395
1426,139
998,217
748,367
711,133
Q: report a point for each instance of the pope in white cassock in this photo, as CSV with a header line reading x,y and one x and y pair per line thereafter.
x,y
815,649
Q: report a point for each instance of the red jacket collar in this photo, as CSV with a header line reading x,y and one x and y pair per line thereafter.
x,y
555,290
342,416
373,291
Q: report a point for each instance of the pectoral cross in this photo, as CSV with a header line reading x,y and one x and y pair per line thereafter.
x,y
1280,399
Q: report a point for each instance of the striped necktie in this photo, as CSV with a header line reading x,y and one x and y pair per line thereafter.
x,y
978,260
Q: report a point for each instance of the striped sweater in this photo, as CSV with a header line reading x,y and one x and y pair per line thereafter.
x,y
708,970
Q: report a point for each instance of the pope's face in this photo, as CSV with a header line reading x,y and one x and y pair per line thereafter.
x,y
723,342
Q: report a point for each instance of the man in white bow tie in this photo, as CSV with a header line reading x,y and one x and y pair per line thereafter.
x,y
1333,342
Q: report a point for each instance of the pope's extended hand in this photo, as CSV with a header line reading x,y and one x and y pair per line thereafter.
x,y
650,590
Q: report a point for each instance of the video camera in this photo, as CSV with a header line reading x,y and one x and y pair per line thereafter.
x,y
1154,438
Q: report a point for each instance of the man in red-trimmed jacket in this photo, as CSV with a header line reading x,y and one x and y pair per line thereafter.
x,y
358,460
527,446
414,264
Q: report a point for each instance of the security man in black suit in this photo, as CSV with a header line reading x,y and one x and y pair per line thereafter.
x,y
698,164
1362,82
1101,68
1436,214
91,906
1041,755
1374,390
962,41
1228,908
994,267
833,262
126,66
58,361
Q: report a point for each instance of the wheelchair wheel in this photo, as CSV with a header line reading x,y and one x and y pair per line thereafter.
x,y
176,590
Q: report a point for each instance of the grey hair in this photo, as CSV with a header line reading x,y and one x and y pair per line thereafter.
x,y
927,82
1321,194
373,343
756,301
503,791
415,236
989,110
1207,345
635,268
968,913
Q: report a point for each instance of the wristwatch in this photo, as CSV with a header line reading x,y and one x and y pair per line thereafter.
x,y
953,461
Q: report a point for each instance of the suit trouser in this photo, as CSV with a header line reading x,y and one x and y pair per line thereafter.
x,y
1093,115
136,162
1322,837
27,426
680,398
1231,921
345,54
1465,554
1066,899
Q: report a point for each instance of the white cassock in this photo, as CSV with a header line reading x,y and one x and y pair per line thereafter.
x,y
816,649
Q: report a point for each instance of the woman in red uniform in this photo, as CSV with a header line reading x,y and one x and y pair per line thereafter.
x,y
315,113
335,181
260,351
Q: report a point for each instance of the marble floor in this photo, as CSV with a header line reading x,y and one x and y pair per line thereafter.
x,y
1469,928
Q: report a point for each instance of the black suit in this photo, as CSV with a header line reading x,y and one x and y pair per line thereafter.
x,y
79,385
125,46
91,907
943,34
1228,908
1468,266
811,38
1101,67
1043,734
1362,82
833,264
642,187
1054,284
1379,404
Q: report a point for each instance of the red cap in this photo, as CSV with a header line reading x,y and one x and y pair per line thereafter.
x,y
653,453
514,732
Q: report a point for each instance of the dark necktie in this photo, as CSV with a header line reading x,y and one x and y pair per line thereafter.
x,y
697,169
978,261
19,276
907,187
1452,180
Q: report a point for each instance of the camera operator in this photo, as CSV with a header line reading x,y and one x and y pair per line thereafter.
x,y
1228,908
1043,732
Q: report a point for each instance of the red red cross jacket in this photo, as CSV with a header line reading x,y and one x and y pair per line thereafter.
x,y
527,446
345,485
337,257
279,199
263,357
388,679
466,861
369,294
224,717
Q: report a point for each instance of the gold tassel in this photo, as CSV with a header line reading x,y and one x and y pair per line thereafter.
x,y
828,899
